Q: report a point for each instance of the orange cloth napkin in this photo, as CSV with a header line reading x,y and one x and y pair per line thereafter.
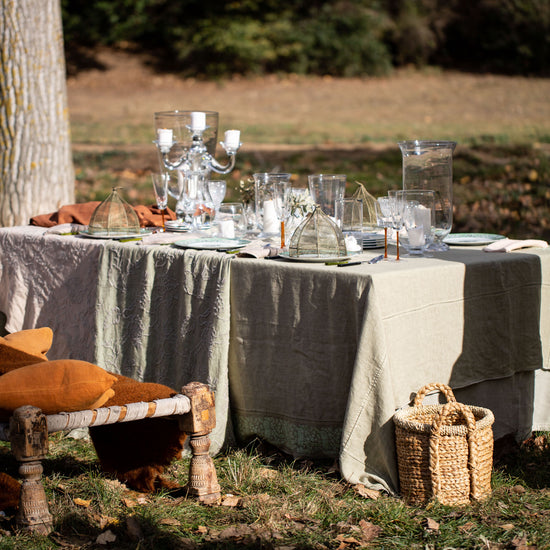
x,y
149,216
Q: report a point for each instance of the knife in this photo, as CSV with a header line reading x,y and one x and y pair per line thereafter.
x,y
374,260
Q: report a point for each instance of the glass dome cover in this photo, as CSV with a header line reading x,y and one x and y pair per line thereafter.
x,y
114,216
370,221
317,236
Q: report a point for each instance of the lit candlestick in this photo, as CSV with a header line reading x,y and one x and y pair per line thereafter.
x,y
165,136
232,138
198,121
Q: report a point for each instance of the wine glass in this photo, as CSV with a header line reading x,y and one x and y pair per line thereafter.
x,y
160,185
216,189
396,204
281,190
383,218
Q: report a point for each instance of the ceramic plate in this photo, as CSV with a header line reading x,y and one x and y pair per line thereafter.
x,y
174,225
314,259
212,243
105,235
472,239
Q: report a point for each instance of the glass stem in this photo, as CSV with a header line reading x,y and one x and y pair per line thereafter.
x,y
385,243
282,234
397,241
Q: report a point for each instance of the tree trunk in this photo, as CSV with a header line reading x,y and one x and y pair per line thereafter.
x,y
37,174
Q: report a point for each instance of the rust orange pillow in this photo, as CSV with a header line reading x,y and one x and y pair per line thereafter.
x,y
63,385
25,347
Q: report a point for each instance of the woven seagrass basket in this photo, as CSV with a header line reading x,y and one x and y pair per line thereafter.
x,y
444,451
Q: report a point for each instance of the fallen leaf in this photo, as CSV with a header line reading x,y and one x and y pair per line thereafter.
x,y
133,528
366,492
507,526
82,502
231,501
106,537
520,542
431,525
518,489
235,532
267,473
466,527
129,502
369,531
202,529
170,521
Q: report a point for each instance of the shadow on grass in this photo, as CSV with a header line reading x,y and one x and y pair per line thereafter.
x,y
528,462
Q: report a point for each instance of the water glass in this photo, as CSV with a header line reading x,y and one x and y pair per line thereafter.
x,y
216,189
270,190
232,219
326,189
349,215
160,186
418,220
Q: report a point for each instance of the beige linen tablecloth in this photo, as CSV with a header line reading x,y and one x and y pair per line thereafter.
x,y
312,358
321,357
151,313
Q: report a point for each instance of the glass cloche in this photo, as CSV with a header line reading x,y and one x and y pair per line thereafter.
x,y
114,216
370,221
318,236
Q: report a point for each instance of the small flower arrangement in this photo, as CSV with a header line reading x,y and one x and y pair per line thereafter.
x,y
300,202
246,191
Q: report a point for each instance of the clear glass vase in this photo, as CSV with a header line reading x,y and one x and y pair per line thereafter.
x,y
428,165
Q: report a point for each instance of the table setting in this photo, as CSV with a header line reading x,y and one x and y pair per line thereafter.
x,y
317,311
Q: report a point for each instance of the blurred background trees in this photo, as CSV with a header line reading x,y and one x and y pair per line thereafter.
x,y
207,38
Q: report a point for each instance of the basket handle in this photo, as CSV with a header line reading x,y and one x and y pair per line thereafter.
x,y
443,388
472,445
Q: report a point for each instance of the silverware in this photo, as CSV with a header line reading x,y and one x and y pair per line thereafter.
x,y
374,260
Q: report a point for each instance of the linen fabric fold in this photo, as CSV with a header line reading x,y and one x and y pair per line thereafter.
x,y
508,245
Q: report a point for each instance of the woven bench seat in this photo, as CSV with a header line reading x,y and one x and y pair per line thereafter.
x,y
28,429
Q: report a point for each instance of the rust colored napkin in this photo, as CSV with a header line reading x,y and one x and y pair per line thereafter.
x,y
149,216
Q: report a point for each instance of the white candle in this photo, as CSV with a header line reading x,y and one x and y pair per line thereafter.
x,y
165,136
232,138
270,221
198,121
416,236
226,228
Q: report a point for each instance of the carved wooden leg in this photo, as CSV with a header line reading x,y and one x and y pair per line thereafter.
x,y
29,444
198,423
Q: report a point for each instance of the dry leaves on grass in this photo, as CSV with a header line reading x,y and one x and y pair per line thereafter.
x,y
365,492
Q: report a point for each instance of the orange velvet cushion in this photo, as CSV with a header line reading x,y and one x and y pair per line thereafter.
x,y
64,385
25,347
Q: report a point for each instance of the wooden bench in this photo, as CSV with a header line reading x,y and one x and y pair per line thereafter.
x,y
28,430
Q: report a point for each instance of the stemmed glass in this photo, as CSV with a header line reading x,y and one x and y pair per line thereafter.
x,y
383,218
396,204
281,190
216,189
160,185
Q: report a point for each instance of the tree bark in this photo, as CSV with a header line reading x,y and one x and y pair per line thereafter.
x,y
37,174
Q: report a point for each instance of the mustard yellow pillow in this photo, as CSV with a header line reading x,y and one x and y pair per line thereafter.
x,y
64,385
25,347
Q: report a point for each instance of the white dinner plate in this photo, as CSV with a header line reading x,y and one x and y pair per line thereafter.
x,y
117,237
472,239
212,243
313,259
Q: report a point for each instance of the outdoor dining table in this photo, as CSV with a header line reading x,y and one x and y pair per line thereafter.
x,y
313,358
